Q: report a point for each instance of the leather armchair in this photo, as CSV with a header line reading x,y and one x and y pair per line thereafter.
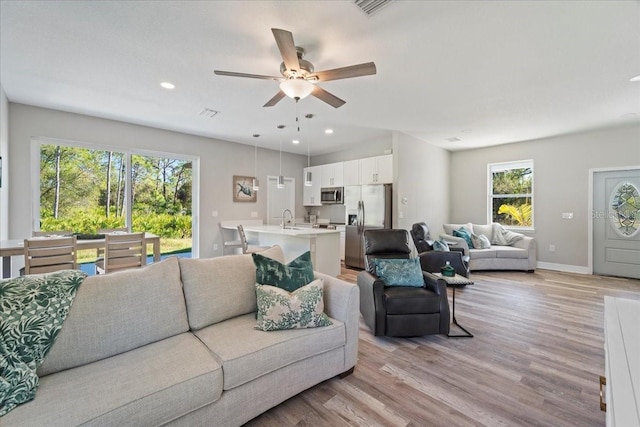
x,y
399,311
432,260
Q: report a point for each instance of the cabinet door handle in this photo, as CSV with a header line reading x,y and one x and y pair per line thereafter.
x,y
603,382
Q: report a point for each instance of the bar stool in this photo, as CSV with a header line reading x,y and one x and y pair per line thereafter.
x,y
229,245
246,249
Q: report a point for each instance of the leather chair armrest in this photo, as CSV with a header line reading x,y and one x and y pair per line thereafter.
x,y
459,242
439,286
372,302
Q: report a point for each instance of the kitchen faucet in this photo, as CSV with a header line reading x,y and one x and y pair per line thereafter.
x,y
284,223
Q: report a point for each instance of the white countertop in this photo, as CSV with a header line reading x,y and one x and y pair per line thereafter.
x,y
289,231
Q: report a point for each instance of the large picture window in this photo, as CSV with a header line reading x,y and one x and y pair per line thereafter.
x,y
511,193
88,188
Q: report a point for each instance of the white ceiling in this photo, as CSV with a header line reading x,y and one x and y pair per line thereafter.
x,y
486,72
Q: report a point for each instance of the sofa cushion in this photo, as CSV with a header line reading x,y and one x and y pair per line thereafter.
x,y
289,277
511,252
117,312
247,353
486,229
482,253
302,308
217,289
150,385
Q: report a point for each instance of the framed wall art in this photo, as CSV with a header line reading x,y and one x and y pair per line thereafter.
x,y
243,189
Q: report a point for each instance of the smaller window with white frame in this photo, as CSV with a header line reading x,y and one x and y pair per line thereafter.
x,y
510,192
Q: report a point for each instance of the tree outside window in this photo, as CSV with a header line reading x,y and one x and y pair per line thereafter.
x,y
511,193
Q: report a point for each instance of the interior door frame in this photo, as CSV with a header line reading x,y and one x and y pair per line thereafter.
x,y
590,242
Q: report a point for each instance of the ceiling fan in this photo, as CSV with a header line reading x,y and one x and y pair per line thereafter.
x,y
298,75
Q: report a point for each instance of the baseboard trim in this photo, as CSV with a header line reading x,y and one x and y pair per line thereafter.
x,y
562,267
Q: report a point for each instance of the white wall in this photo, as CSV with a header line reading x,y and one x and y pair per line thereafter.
x,y
421,175
4,153
561,173
219,161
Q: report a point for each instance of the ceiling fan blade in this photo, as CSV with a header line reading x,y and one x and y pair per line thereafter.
x,y
365,69
276,98
284,40
327,97
251,76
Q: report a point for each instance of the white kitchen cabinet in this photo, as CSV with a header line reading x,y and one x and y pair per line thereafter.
x,y
332,175
376,170
351,172
311,194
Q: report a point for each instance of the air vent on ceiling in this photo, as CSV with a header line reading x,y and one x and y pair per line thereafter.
x,y
371,6
208,112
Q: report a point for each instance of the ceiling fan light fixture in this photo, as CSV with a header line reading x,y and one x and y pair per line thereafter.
x,y
296,88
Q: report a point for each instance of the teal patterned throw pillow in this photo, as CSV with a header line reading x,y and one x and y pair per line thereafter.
x,y
440,246
302,308
465,234
32,309
399,272
290,277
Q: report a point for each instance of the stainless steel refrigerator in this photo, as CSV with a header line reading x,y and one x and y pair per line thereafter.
x,y
367,207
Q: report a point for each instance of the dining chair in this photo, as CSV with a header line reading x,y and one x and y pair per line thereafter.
x,y
48,254
246,248
100,251
228,246
122,251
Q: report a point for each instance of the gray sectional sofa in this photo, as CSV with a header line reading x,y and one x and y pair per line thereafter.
x,y
519,256
174,344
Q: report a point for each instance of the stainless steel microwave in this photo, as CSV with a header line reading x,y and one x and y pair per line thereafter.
x,y
331,195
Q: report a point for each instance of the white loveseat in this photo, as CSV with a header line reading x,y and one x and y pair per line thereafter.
x,y
174,344
519,256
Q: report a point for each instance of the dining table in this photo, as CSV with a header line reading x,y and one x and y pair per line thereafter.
x,y
15,247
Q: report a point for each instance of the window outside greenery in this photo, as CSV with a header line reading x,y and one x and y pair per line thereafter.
x,y
511,193
84,190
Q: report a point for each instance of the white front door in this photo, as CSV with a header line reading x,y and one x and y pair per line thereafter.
x,y
616,223
279,199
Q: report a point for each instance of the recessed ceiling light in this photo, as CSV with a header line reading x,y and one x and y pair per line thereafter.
x,y
168,85
328,131
295,141
635,79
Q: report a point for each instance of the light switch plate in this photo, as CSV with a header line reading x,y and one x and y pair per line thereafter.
x,y
567,215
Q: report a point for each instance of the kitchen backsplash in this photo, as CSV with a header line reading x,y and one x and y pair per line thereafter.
x,y
335,213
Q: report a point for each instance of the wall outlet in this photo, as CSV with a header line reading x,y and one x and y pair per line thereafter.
x,y
215,246
401,214
214,213
552,248
254,214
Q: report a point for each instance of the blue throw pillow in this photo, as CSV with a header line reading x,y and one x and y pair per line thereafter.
x,y
290,277
465,234
399,272
440,246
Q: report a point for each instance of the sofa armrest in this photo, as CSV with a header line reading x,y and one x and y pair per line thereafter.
x,y
341,301
529,244
459,242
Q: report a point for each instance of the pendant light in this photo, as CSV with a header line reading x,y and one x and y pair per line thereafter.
x,y
280,183
256,181
308,178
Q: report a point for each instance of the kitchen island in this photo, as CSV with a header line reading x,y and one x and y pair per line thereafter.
x,y
324,244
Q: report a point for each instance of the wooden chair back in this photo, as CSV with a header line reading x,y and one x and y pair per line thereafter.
x,y
122,251
45,255
100,251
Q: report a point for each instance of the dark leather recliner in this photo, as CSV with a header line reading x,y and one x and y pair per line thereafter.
x,y
432,260
399,311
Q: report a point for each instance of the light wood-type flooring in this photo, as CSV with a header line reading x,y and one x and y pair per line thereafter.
x,y
534,361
